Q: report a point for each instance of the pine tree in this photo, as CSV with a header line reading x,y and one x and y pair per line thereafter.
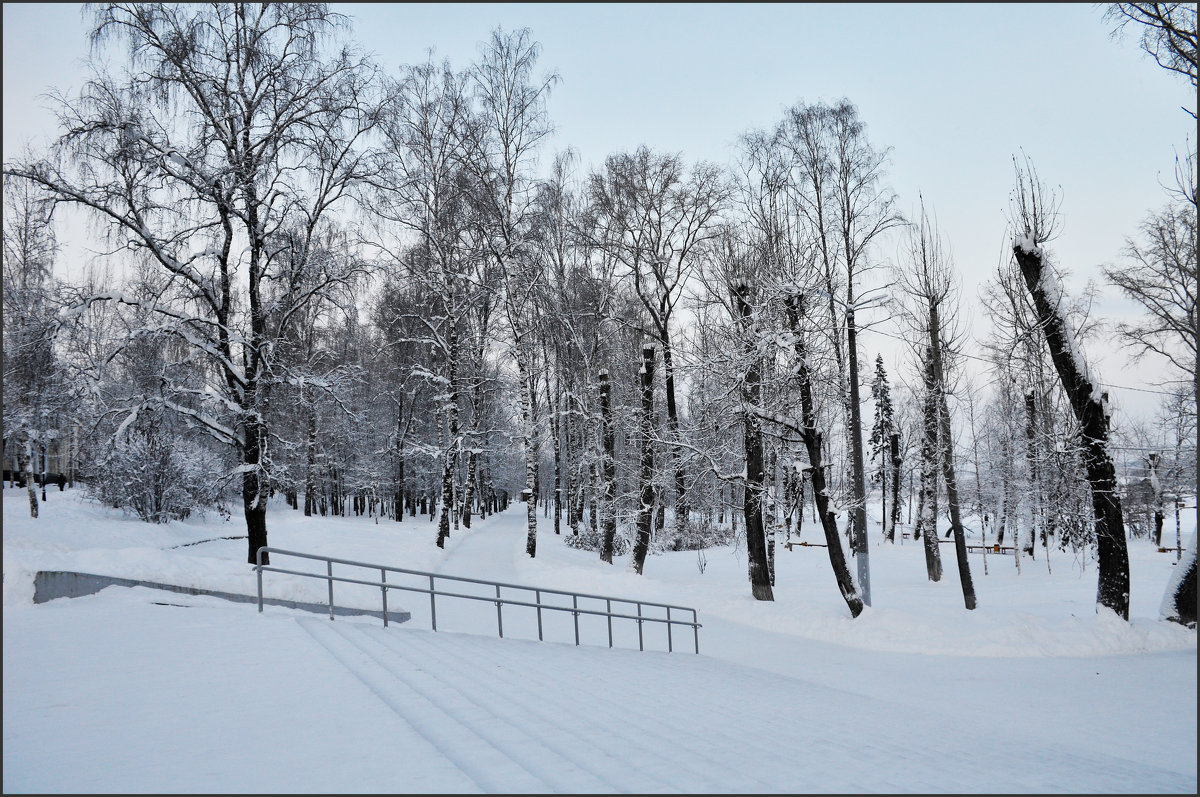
x,y
881,430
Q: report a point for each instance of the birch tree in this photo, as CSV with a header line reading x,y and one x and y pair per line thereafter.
x,y
424,191
511,122
228,136
30,379
839,194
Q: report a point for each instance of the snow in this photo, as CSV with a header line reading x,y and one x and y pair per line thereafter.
x,y
1052,290
1026,243
1167,607
140,690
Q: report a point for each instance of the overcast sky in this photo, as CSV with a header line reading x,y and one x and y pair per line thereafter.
x,y
956,90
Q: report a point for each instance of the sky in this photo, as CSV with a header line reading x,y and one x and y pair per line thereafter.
x,y
955,90
147,691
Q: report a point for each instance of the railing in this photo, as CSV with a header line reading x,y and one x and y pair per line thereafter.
x,y
497,599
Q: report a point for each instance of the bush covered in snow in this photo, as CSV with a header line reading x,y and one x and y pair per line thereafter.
x,y
159,476
588,540
697,534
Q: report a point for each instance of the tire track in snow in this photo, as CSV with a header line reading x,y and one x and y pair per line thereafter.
x,y
553,765
485,765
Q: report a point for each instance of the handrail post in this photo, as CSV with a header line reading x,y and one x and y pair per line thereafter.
x,y
499,616
639,622
696,630
329,570
538,599
383,589
432,605
669,648
575,612
608,608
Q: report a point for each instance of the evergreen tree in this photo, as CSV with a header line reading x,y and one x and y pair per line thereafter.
x,y
881,430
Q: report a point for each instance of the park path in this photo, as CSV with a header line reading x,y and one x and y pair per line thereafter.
x,y
515,715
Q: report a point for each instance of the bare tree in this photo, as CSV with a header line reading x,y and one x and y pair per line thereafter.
x,y
1168,33
232,135
812,440
424,191
30,383
652,213
1034,217
757,475
511,123
641,544
929,282
927,512
1162,278
838,193
768,279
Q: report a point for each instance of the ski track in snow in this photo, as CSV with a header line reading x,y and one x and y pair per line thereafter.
x,y
329,706
445,726
512,728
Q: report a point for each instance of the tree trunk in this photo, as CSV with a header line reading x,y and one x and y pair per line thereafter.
x,y
1087,402
757,554
681,507
447,499
960,543
928,504
555,430
254,499
789,502
858,468
529,494
27,471
451,451
398,486
469,489
576,482
885,495
1153,461
798,483
310,462
772,513
641,544
1034,495
895,463
609,470
593,506
812,442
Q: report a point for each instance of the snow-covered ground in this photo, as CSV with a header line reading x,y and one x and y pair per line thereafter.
x,y
140,690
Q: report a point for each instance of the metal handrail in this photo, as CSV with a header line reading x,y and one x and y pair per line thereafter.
x,y
433,592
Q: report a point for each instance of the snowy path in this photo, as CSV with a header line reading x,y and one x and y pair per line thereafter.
x,y
136,690
352,706
521,720
487,550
